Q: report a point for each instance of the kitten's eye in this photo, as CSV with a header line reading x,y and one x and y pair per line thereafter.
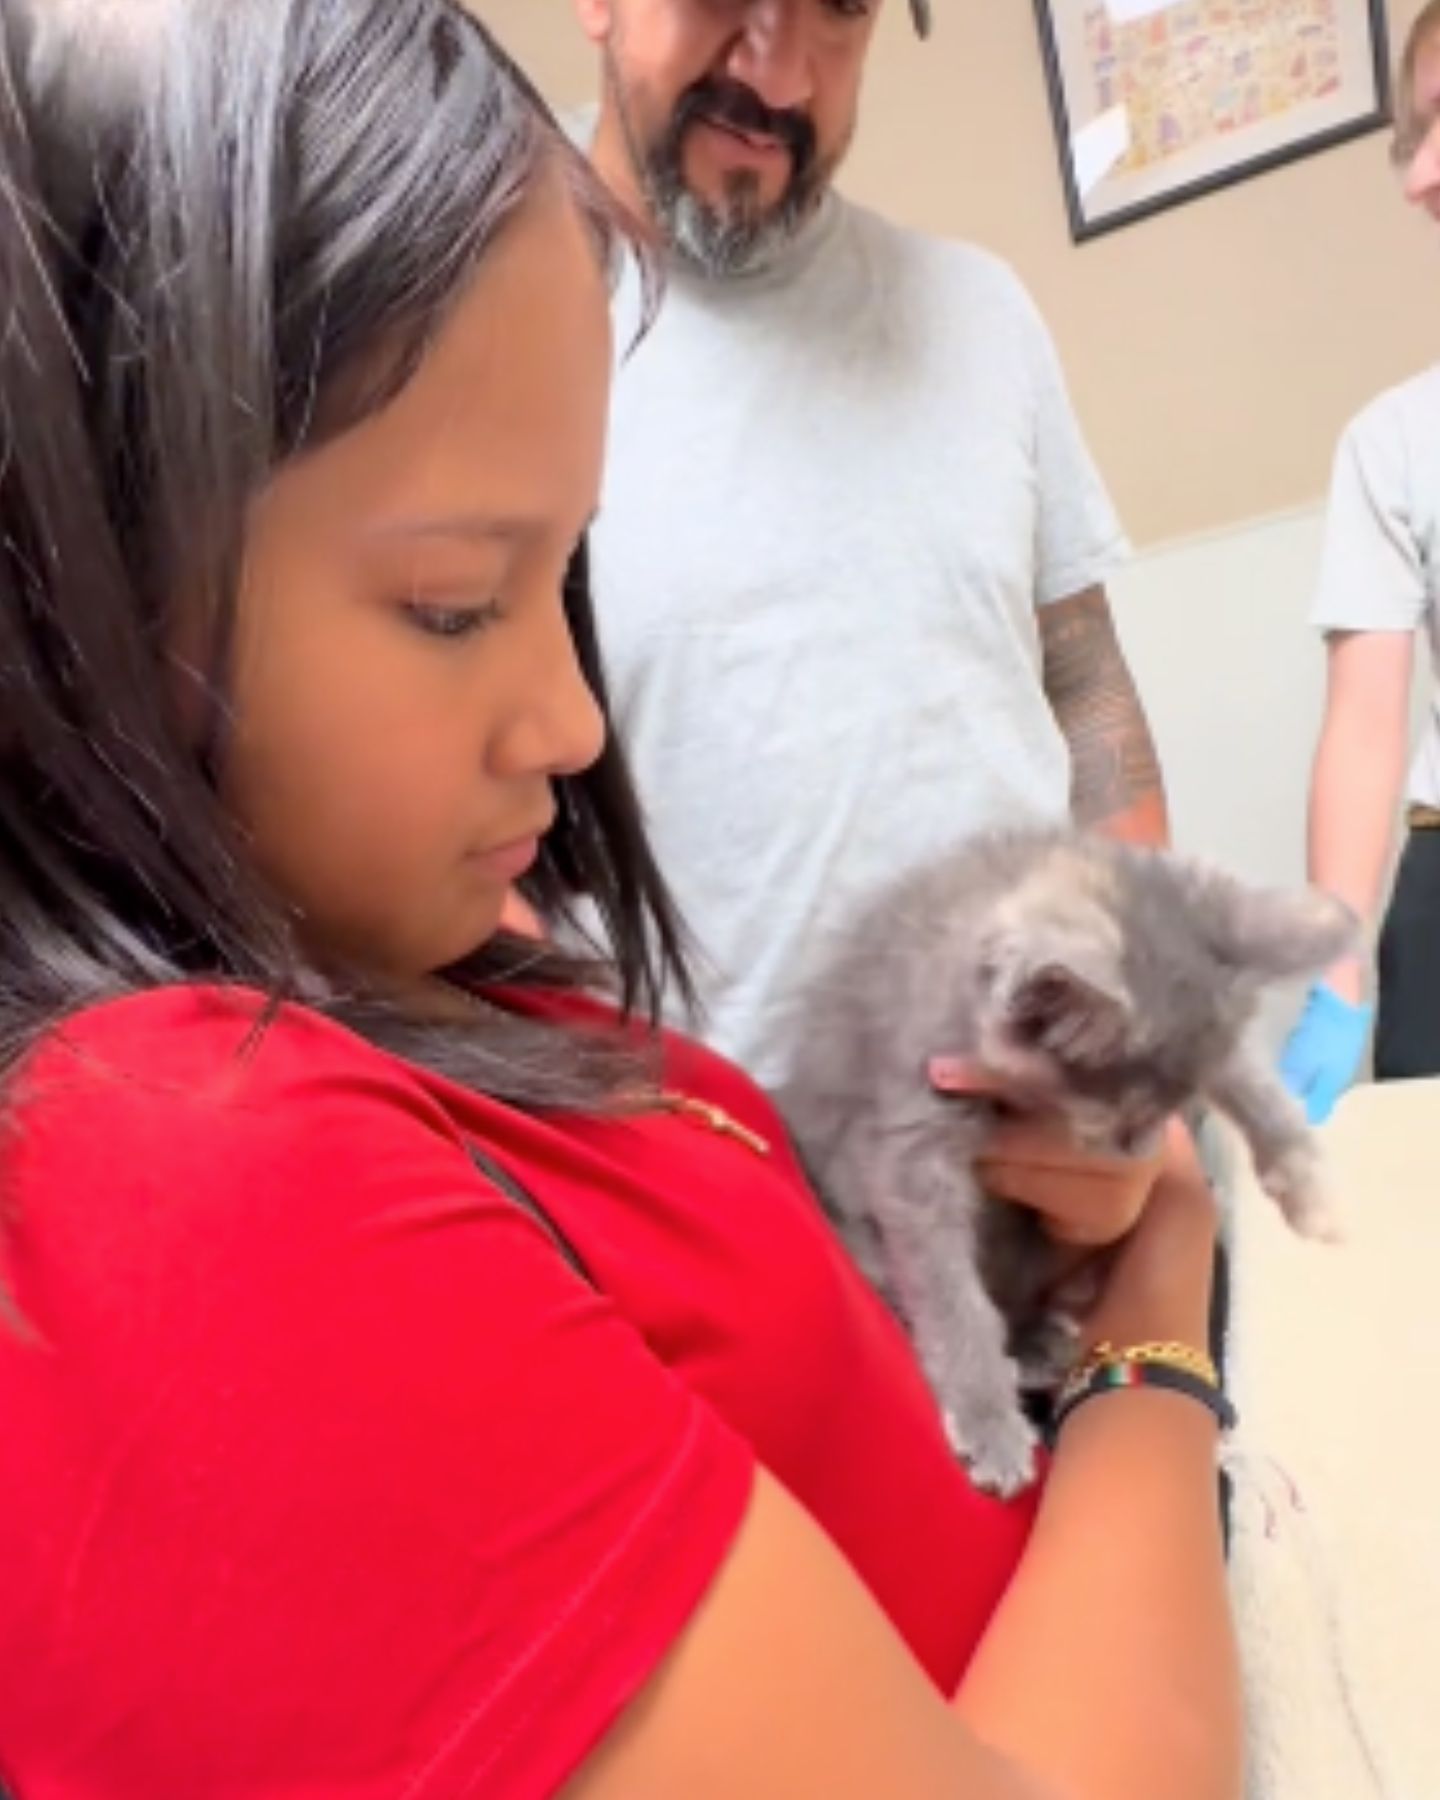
x,y
451,622
1047,994
1041,1004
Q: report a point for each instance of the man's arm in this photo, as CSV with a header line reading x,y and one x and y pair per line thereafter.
x,y
1116,785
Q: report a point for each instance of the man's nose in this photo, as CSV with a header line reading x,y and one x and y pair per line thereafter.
x,y
772,54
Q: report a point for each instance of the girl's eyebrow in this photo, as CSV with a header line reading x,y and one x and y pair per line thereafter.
x,y
468,527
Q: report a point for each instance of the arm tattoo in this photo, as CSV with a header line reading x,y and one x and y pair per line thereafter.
x,y
1113,760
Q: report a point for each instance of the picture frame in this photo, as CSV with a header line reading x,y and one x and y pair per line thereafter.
x,y
1159,102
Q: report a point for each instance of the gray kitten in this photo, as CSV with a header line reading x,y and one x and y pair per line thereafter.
x,y
1119,985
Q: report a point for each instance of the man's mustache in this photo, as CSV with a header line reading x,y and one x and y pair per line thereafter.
x,y
730,103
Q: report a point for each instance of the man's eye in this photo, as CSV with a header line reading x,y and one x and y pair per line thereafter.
x,y
451,621
850,9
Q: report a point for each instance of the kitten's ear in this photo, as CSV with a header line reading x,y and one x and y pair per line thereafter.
x,y
1275,933
1076,1015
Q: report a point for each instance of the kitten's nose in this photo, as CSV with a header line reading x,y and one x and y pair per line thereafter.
x,y
1139,1137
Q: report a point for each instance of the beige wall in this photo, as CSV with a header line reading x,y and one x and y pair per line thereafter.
x,y
1214,351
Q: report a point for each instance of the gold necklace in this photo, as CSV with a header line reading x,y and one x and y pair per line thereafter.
x,y
715,1117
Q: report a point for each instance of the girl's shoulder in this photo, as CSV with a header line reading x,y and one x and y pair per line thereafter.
x,y
278,1333
190,1109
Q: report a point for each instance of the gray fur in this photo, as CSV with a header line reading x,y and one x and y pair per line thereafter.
x,y
1116,984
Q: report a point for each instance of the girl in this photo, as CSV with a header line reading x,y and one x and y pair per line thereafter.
x,y
419,1377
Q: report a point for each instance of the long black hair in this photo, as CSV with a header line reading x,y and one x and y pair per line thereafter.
x,y
228,229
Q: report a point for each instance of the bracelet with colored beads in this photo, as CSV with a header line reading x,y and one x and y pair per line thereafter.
x,y
1119,1372
1169,1354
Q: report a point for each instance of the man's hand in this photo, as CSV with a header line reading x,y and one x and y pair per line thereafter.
x,y
1086,1199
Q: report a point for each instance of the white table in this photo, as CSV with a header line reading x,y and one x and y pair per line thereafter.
x,y
1336,1556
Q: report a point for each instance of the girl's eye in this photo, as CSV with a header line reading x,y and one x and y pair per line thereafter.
x,y
451,621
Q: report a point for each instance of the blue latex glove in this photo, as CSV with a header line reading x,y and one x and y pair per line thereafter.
x,y
1324,1050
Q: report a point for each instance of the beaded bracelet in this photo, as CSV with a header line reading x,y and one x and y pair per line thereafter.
x,y
1121,1371
1171,1353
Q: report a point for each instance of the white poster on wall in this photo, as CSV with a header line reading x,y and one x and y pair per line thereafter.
x,y
1209,91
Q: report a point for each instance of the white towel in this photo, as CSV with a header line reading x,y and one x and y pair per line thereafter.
x,y
1335,1367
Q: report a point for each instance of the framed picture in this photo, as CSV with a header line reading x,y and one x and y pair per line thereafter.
x,y
1159,101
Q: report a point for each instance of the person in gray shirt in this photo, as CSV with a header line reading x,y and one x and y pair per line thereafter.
x,y
850,561
1377,596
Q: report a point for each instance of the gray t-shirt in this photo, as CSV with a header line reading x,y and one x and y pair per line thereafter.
x,y
837,491
1381,564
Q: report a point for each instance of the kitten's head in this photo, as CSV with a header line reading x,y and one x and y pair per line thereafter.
x,y
1115,982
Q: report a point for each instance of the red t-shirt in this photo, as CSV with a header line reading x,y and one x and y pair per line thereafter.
x,y
322,1474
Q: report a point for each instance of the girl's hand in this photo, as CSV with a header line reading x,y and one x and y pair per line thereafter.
x,y
1086,1198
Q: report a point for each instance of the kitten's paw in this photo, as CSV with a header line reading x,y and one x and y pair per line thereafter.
x,y
1294,1183
1001,1457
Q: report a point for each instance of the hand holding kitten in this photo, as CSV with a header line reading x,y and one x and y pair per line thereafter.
x,y
1086,1198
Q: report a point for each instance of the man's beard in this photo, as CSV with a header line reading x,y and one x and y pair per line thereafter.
x,y
740,235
